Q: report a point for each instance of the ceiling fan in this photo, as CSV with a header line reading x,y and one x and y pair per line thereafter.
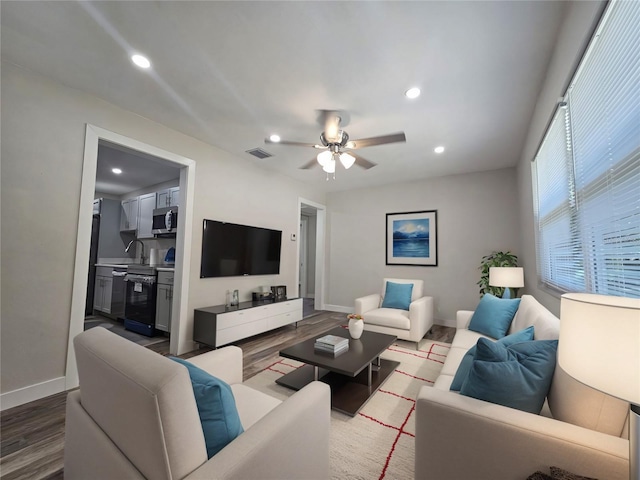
x,y
336,146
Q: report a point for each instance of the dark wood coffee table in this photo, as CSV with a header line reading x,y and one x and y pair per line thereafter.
x,y
353,376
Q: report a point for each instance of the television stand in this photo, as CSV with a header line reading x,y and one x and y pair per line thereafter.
x,y
220,325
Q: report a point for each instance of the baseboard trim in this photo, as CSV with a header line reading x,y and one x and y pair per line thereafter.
x,y
445,323
31,393
338,308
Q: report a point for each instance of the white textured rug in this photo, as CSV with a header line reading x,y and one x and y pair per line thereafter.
x,y
379,441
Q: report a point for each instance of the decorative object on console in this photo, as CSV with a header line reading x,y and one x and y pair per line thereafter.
x,y
507,277
583,317
356,325
411,238
496,259
279,292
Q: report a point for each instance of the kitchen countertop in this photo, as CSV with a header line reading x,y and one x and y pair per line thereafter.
x,y
125,265
165,269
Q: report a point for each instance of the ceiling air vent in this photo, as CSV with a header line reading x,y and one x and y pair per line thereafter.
x,y
259,153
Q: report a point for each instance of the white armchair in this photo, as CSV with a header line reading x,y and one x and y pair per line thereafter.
x,y
411,325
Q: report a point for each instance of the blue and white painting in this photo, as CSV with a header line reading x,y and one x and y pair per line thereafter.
x,y
411,238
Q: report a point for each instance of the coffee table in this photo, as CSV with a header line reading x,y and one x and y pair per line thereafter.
x,y
354,376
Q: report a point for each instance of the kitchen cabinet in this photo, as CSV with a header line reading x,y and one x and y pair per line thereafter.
x,y
146,205
168,197
164,301
108,296
103,289
129,215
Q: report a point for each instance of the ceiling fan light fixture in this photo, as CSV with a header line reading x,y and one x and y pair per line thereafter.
x,y
325,157
330,167
347,160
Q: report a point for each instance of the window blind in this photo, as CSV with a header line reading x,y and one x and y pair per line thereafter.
x,y
588,189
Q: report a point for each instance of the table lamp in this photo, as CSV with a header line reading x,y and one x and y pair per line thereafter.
x,y
506,277
592,323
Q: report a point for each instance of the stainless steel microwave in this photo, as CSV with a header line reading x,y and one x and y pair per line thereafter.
x,y
165,221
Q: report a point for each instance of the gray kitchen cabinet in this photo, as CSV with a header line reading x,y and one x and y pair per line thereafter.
x,y
168,197
129,215
164,301
146,205
103,290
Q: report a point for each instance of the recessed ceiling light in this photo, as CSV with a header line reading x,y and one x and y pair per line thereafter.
x,y
439,149
117,171
274,138
141,61
412,92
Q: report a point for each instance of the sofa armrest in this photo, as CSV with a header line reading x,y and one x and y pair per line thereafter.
x,y
224,363
463,318
462,437
421,316
291,441
368,303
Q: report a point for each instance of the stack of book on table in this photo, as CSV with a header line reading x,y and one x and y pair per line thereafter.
x,y
332,344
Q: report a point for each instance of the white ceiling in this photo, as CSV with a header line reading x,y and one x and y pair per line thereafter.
x,y
232,73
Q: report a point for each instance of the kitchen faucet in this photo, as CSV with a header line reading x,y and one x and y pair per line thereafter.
x,y
142,257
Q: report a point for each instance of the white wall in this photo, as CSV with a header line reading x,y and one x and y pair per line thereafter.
x,y
575,32
477,214
43,129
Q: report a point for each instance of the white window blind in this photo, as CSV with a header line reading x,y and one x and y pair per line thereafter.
x,y
588,182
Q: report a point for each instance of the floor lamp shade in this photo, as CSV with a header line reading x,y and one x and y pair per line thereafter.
x,y
600,347
600,343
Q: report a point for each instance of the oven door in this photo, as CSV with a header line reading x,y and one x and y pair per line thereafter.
x,y
140,298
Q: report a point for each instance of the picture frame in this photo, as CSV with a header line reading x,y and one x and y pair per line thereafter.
x,y
412,238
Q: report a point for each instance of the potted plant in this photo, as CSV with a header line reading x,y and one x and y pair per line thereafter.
x,y
496,259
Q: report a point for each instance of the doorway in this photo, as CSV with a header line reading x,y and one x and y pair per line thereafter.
x,y
179,343
311,256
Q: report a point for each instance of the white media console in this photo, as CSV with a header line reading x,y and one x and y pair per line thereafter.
x,y
219,325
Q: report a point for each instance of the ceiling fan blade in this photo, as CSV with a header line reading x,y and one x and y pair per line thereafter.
x,y
363,162
381,140
309,164
294,144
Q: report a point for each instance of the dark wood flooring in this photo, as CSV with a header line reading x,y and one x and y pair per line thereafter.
x,y
32,435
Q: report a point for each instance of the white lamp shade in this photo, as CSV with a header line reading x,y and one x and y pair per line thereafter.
x,y
512,277
329,167
347,160
324,157
600,343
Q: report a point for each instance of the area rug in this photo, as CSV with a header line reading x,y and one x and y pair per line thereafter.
x,y
379,441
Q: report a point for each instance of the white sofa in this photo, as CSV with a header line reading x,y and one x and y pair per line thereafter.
x,y
580,429
411,325
135,417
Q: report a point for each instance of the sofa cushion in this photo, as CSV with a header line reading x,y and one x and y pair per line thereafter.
x,y
493,315
388,317
517,376
531,312
216,407
397,295
466,361
252,405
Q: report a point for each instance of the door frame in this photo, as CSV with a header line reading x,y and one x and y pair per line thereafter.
x,y
302,262
321,221
178,343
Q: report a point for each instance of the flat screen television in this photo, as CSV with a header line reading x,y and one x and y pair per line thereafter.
x,y
230,250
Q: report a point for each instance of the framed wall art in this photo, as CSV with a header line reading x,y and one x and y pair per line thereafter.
x,y
412,238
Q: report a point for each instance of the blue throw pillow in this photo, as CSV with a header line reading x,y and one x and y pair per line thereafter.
x,y
397,295
216,407
518,376
494,315
465,365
